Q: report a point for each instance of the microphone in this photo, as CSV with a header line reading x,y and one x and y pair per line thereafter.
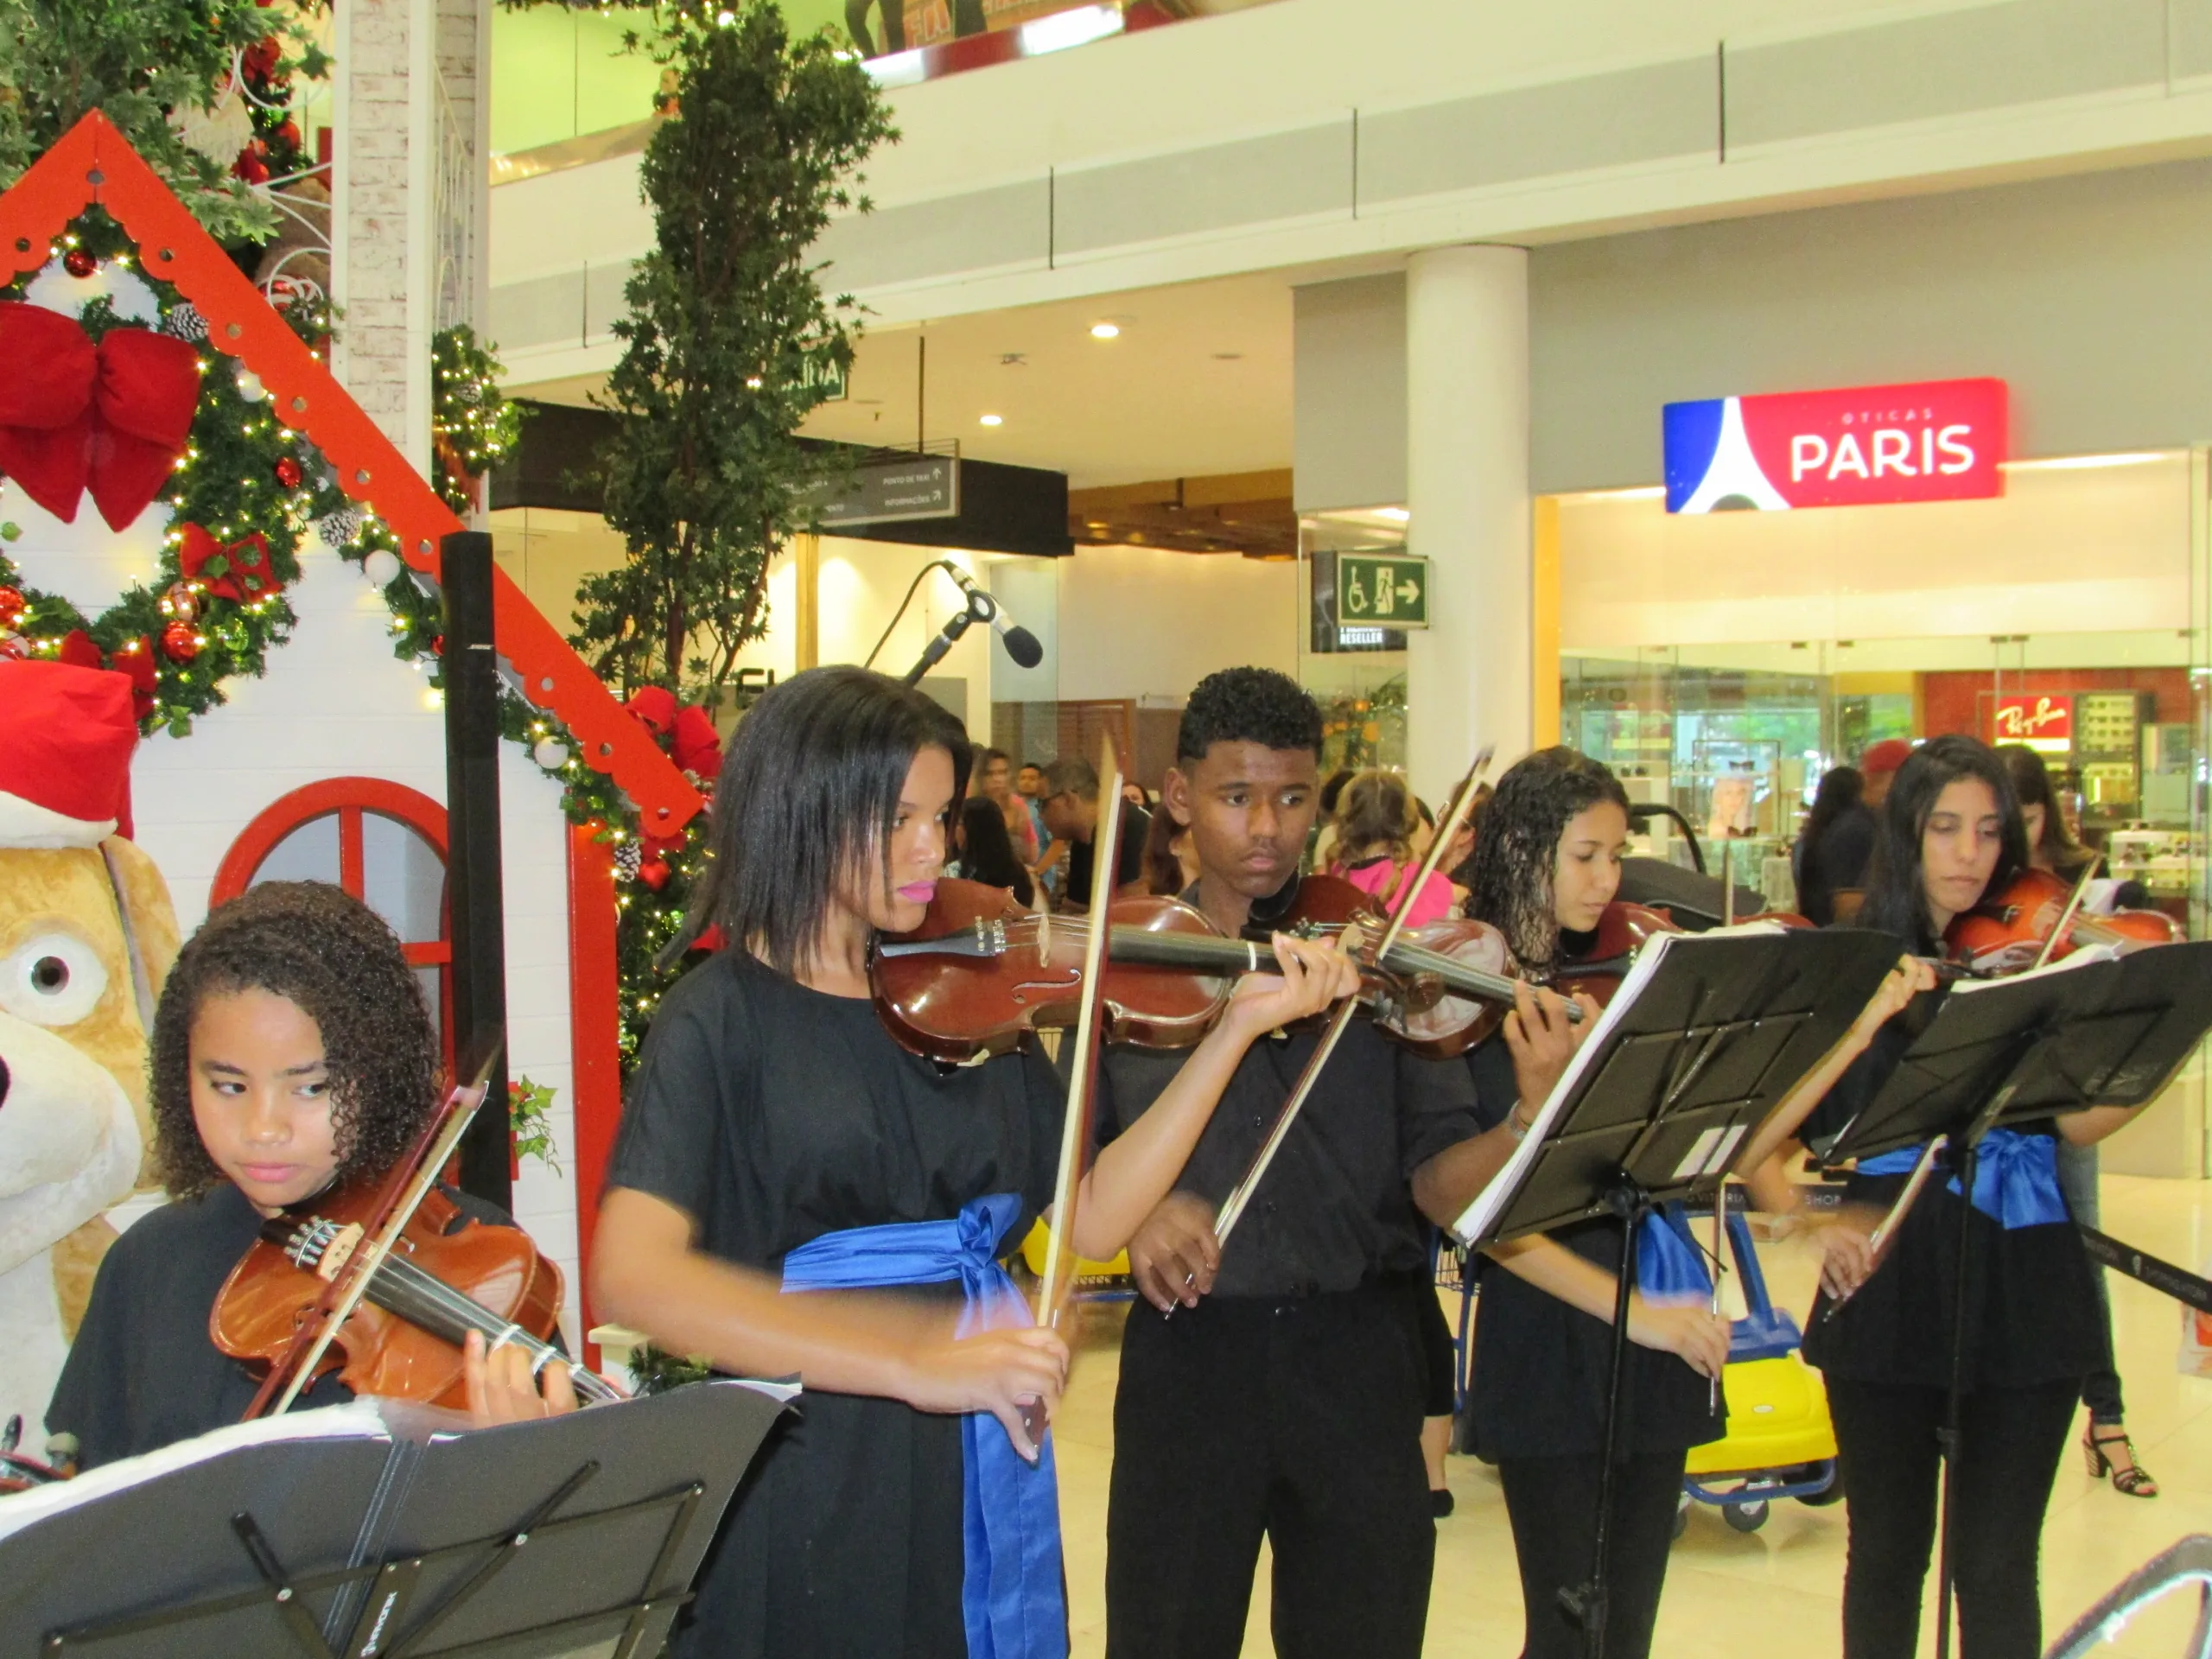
x,y
1020,645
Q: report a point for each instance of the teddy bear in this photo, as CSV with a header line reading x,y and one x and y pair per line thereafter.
x,y
87,934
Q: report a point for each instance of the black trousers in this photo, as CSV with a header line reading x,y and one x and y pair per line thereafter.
x,y
2012,1440
1298,1420
1552,1505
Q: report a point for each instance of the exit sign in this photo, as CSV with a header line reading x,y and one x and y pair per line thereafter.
x,y
1382,591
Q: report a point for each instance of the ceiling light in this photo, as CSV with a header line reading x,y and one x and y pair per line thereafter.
x,y
993,420
1105,330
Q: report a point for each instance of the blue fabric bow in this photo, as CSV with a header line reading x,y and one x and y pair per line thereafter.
x,y
1010,1596
2015,1177
1670,1269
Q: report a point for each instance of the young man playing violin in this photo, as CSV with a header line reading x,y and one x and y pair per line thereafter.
x,y
1284,1396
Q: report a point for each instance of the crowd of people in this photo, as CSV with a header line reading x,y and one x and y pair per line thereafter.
x,y
794,1194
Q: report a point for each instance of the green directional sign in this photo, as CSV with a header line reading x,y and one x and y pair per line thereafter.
x,y
1385,591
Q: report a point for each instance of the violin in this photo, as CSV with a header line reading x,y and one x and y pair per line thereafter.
x,y
2008,929
980,970
449,1275
1597,970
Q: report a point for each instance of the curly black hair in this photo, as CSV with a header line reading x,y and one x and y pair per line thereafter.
x,y
1517,848
319,947
1247,705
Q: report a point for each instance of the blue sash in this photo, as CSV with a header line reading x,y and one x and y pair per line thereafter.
x,y
1670,1269
2015,1177
1011,1595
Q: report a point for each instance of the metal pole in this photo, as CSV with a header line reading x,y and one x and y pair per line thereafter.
x,y
472,881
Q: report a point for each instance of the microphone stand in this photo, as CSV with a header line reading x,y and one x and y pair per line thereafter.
x,y
947,636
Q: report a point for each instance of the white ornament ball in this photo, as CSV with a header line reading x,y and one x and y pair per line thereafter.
x,y
381,568
550,752
250,386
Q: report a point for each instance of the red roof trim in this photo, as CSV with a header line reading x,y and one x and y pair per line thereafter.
x,y
95,163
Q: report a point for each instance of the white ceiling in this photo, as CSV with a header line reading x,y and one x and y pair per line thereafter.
x,y
1198,382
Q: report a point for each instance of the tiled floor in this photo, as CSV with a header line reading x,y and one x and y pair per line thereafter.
x,y
1775,1592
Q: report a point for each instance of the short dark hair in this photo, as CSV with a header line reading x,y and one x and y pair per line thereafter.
x,y
1071,775
1248,705
984,757
807,795
1896,898
321,949
1517,846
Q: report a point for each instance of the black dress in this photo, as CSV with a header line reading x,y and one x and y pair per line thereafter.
x,y
143,1372
1543,1368
772,1114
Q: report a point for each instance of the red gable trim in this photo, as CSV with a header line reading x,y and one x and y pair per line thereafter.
x,y
94,163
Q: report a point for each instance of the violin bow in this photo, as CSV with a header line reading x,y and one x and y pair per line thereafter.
x,y
403,1195
1058,1276
1232,1207
2066,916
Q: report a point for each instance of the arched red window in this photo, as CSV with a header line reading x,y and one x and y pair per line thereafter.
x,y
383,843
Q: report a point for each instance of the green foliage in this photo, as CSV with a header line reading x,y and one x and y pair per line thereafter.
x,y
652,1371
138,60
528,1104
728,342
471,424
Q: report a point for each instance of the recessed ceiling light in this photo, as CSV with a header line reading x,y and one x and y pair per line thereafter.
x,y
993,420
1105,330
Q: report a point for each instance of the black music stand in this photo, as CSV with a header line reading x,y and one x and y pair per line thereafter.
x,y
1704,1038
536,1538
2089,1031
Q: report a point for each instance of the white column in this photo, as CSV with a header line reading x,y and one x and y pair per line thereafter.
x,y
1467,677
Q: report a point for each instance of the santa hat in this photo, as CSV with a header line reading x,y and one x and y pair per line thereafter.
x,y
1886,756
65,737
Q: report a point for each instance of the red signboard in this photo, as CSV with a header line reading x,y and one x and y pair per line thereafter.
x,y
1933,441
2037,719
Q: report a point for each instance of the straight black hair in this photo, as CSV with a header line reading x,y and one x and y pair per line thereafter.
x,y
1840,789
2030,775
1896,899
806,799
986,850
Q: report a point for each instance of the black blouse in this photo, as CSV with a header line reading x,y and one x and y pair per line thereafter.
x,y
144,1373
1544,1369
771,1114
2032,1314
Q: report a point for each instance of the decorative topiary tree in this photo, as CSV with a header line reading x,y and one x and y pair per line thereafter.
x,y
729,342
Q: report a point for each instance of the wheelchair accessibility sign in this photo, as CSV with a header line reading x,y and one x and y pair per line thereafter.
x,y
1379,591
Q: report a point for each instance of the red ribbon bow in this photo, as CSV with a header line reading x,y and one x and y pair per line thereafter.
x,y
114,416
239,572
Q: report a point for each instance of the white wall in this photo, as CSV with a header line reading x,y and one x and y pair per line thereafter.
x,y
1139,621
2094,550
337,703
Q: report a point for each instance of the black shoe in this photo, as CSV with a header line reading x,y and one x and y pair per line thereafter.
x,y
1441,1502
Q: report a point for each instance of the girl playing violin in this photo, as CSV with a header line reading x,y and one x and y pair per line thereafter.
x,y
777,1141
291,1053
1949,831
1547,863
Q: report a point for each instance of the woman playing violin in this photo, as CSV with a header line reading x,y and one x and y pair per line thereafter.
x,y
2051,846
1547,863
291,1053
1949,831
792,1193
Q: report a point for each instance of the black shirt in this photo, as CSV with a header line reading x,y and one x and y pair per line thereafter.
x,y
1136,829
1544,1369
1334,1212
1837,857
144,1373
2032,1314
771,1114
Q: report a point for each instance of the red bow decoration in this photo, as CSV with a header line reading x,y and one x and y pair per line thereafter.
x,y
239,572
692,741
114,416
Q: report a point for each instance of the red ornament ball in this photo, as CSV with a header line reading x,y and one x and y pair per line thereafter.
x,y
179,642
654,872
12,604
79,261
289,471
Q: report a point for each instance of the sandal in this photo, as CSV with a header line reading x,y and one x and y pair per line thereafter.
x,y
2129,1477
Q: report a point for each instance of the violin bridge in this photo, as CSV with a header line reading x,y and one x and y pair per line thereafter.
x,y
324,1248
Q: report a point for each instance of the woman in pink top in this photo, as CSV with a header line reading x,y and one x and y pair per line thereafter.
x,y
1375,826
